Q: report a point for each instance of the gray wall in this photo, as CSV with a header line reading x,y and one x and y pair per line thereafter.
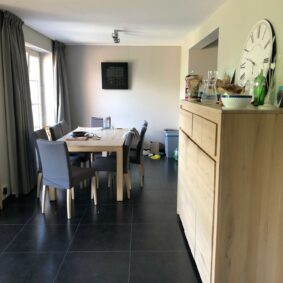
x,y
154,87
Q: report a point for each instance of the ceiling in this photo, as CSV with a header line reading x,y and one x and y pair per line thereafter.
x,y
145,22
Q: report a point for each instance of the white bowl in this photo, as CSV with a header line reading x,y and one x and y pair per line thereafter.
x,y
236,101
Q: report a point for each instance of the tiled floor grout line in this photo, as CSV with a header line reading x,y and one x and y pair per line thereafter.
x,y
69,246
14,238
131,238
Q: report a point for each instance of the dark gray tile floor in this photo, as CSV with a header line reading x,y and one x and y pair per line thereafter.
x,y
139,240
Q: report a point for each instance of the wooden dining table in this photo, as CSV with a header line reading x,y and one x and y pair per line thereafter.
x,y
103,140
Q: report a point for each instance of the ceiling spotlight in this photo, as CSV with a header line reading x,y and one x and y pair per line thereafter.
x,y
115,36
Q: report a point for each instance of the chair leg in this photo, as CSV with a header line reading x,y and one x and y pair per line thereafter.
x,y
128,184
85,181
39,179
82,183
93,190
69,203
73,193
1,199
141,174
97,179
109,179
43,199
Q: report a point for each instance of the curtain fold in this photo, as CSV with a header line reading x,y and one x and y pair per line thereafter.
x,y
62,106
15,94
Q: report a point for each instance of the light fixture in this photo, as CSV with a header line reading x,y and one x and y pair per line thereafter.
x,y
115,36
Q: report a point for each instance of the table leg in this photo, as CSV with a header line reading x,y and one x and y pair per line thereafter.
x,y
52,194
120,174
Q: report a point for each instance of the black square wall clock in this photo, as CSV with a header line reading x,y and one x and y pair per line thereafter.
x,y
114,75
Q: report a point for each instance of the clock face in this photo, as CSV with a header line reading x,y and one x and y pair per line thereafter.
x,y
257,52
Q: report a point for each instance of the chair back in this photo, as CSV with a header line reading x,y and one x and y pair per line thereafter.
x,y
139,150
56,167
126,151
56,132
96,122
39,134
65,127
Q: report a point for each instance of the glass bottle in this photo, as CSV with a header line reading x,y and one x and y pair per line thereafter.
x,y
259,89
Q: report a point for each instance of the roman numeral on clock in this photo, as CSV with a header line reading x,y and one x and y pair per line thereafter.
x,y
242,77
267,43
252,37
258,31
266,60
242,66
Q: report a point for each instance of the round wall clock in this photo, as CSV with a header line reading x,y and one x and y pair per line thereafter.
x,y
258,52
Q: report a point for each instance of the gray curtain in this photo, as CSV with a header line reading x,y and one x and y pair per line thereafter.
x,y
62,106
15,95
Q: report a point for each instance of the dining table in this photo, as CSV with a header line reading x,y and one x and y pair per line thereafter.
x,y
99,140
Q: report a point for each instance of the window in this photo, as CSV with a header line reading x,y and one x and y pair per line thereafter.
x,y
34,68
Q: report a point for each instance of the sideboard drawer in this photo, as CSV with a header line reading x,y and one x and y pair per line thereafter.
x,y
186,121
205,134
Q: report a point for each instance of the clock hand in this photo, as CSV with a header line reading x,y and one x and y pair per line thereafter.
x,y
250,60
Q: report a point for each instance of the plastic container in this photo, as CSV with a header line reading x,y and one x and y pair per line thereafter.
x,y
171,137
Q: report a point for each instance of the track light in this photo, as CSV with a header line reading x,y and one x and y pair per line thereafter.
x,y
115,36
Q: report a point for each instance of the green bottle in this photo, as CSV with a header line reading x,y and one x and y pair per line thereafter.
x,y
176,153
259,89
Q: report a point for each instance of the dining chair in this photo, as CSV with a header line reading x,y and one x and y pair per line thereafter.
x,y
136,157
39,134
58,172
82,158
96,122
65,127
56,132
108,164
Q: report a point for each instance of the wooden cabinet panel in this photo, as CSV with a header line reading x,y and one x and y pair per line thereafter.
x,y
204,214
196,202
185,122
186,207
205,134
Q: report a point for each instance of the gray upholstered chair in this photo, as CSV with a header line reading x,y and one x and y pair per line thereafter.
x,y
136,157
65,127
81,158
56,132
58,172
39,134
108,164
96,122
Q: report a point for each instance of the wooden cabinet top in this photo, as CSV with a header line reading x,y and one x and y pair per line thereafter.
x,y
198,107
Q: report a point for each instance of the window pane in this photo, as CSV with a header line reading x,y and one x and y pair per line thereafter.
x,y
34,92
34,68
36,116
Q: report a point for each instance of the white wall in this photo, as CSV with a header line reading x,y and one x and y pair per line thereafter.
x,y
154,74
202,60
234,19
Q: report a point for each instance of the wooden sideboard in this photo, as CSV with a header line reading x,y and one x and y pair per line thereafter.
x,y
230,192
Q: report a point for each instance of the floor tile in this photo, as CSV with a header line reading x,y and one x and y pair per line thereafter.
x,y
162,267
154,213
102,238
29,267
111,214
7,233
95,267
16,214
157,237
154,197
43,238
56,213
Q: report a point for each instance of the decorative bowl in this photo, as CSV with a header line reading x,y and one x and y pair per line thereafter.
x,y
236,101
76,134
